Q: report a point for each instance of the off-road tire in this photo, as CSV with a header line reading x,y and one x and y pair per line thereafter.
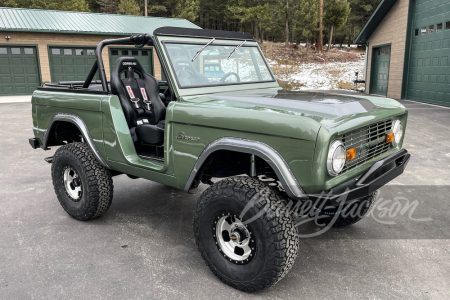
x,y
276,239
347,215
96,181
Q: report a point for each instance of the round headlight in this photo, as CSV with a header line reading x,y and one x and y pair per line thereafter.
x,y
336,158
397,129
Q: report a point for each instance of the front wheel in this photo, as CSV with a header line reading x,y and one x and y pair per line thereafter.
x,y
242,239
84,187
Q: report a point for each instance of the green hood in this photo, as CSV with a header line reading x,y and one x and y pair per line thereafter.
x,y
279,109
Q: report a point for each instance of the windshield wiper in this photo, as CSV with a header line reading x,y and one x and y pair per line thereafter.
x,y
202,48
235,49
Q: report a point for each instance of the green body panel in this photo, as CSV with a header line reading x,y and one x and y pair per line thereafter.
x,y
19,71
71,63
379,76
429,66
47,104
297,153
119,144
300,126
84,102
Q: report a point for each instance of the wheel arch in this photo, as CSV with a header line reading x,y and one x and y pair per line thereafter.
x,y
262,150
70,121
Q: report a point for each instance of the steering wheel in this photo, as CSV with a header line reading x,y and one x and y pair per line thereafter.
x,y
222,80
185,77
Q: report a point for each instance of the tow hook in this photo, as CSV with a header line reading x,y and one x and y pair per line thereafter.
x,y
49,159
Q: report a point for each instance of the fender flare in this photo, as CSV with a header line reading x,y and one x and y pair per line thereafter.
x,y
78,122
264,151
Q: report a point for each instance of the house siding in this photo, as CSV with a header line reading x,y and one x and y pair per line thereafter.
x,y
42,40
392,30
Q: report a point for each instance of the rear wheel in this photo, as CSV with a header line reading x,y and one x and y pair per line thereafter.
x,y
84,187
242,239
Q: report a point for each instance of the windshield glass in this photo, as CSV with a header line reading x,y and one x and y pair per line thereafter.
x,y
213,67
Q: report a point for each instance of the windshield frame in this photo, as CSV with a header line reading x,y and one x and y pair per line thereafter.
x,y
216,43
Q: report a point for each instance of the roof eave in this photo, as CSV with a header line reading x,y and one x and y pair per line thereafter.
x,y
65,31
375,19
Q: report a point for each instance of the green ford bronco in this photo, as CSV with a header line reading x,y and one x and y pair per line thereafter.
x,y
264,152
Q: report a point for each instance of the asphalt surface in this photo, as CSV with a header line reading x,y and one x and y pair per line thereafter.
x,y
143,247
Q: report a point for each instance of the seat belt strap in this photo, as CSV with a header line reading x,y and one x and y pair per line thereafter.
x,y
131,96
133,99
145,99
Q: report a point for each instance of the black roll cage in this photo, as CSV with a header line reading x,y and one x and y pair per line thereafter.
x,y
139,41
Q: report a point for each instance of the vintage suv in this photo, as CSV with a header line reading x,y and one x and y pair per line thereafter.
x,y
269,146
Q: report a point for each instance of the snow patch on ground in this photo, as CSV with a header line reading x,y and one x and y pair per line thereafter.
x,y
324,76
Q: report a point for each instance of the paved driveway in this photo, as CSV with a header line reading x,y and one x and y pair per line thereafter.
x,y
143,247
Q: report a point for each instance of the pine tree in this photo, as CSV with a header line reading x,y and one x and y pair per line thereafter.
x,y
128,7
336,16
187,9
108,6
307,17
319,44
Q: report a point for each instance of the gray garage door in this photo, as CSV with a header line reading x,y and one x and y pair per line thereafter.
x,y
71,63
19,71
429,71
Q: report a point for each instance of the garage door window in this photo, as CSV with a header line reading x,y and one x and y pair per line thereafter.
x,y
431,29
3,51
439,27
144,53
447,25
15,50
423,30
74,64
28,51
125,52
115,52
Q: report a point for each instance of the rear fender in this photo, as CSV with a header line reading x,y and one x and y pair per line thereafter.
x,y
78,122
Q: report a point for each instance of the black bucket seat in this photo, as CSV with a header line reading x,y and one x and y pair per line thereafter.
x,y
139,96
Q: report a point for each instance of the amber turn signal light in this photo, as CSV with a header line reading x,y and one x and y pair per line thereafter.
x,y
390,137
351,153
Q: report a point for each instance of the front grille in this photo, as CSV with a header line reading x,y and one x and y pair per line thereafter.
x,y
369,141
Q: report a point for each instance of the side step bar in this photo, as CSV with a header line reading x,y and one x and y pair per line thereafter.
x,y
49,159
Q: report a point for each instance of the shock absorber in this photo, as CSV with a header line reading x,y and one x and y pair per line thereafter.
x,y
252,166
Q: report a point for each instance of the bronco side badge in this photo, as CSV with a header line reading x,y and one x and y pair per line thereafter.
x,y
183,136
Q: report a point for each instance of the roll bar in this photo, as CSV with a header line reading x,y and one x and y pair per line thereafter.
x,y
138,40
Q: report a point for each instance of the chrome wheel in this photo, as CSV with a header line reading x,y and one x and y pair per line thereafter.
x,y
72,183
234,239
